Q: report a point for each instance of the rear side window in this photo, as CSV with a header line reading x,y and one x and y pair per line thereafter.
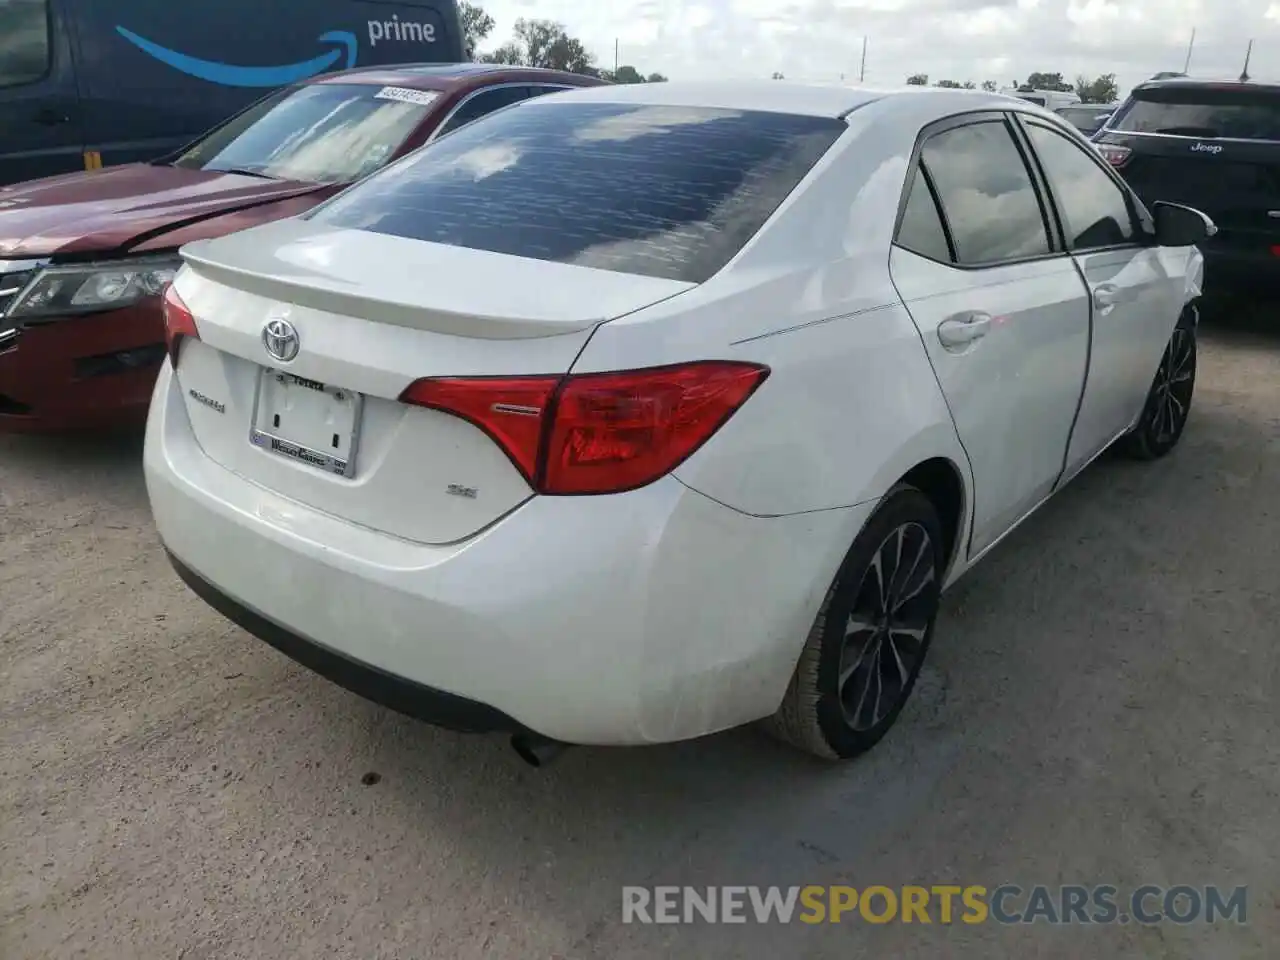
x,y
986,194
486,101
1095,208
662,191
1239,113
921,229
24,41
1085,119
540,89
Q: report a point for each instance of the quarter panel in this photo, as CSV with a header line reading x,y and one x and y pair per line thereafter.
x,y
850,404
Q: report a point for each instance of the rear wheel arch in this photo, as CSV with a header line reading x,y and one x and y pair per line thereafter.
x,y
941,481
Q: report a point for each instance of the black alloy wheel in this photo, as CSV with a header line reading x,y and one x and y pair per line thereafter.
x,y
863,655
1169,401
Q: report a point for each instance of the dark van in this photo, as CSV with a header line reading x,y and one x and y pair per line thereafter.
x,y
92,83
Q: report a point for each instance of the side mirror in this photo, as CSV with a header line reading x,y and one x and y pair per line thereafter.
x,y
1180,226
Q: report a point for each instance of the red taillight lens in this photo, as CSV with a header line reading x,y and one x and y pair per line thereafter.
x,y
598,432
511,410
178,323
1116,156
619,431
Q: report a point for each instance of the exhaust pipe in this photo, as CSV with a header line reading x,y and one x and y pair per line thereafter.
x,y
535,750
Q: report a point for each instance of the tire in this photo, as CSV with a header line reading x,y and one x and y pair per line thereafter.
x,y
836,721
1168,405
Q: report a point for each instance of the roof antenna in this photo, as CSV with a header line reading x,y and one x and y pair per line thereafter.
x,y
1244,74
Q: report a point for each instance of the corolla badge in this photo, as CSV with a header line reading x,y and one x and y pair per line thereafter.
x,y
229,75
1213,148
281,339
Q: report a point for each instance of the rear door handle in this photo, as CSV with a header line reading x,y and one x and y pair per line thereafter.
x,y
963,329
1105,297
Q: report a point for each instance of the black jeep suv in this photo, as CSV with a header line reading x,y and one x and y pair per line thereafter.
x,y
1214,146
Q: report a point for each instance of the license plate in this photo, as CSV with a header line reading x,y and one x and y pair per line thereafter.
x,y
313,423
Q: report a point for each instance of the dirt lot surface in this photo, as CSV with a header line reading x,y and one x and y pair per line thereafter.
x,y
1099,708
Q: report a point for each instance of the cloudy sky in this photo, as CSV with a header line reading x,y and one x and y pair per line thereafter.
x,y
1001,40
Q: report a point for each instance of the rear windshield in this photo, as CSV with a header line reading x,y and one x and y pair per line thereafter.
x,y
671,192
326,133
1242,114
1087,119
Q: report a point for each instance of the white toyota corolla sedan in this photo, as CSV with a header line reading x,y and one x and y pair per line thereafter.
x,y
637,413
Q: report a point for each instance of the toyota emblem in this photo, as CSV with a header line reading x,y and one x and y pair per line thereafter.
x,y
281,340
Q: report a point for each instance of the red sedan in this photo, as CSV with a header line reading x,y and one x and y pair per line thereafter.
x,y
84,257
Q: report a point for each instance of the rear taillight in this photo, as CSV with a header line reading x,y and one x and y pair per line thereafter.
x,y
619,431
1116,156
510,409
597,432
178,323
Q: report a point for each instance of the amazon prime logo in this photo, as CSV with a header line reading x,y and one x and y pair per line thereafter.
x,y
280,339
236,75
403,30
1212,148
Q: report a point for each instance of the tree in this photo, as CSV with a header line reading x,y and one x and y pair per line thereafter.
x,y
953,84
546,44
627,74
778,76
656,78
1101,89
1047,81
989,86
918,80
476,26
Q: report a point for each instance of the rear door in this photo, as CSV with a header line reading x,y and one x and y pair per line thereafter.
x,y
1135,287
1215,147
39,109
1001,309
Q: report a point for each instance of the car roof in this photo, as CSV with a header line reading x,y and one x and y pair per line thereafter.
x,y
1205,83
776,96
447,76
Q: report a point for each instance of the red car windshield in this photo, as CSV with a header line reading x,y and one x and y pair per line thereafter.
x,y
325,133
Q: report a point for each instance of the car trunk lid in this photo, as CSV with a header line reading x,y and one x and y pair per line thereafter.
x,y
1238,187
372,314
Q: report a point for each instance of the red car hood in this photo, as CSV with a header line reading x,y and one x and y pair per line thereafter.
x,y
117,208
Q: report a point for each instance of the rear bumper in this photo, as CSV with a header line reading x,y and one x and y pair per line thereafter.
x,y
413,699
645,617
81,372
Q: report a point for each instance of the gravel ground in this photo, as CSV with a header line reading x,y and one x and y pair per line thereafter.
x,y
1098,709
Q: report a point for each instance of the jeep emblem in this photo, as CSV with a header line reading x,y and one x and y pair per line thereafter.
x,y
1213,148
